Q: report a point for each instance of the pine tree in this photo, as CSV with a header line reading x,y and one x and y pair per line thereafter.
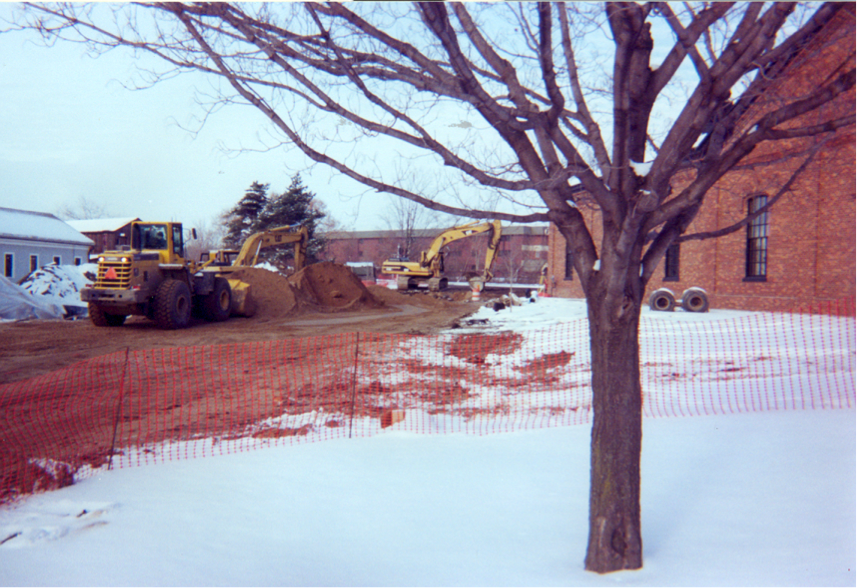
x,y
295,206
244,219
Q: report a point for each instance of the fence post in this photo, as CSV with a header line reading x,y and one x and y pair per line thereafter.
x,y
118,409
354,382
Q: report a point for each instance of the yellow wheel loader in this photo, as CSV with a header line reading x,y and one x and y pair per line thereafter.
x,y
409,274
152,278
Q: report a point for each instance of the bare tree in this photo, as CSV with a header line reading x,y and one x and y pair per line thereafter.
x,y
407,216
209,236
82,210
504,100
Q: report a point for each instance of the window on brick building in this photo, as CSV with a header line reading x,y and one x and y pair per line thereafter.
x,y
757,240
671,262
569,262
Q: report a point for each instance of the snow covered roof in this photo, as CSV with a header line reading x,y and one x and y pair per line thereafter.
x,y
38,226
100,225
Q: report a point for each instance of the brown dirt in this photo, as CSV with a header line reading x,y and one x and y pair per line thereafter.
x,y
77,423
323,298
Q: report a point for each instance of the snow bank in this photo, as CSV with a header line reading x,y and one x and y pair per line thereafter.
x,y
765,499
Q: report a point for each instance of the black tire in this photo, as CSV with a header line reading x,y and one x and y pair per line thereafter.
x,y
172,305
100,318
694,300
662,300
217,306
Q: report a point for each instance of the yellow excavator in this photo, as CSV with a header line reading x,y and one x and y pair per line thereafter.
x,y
230,260
409,274
248,256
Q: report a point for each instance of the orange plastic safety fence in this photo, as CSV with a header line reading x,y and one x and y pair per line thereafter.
x,y
137,407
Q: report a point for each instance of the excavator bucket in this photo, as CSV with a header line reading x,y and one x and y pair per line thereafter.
x,y
242,300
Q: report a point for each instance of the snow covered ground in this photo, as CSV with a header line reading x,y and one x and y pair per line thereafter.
x,y
764,498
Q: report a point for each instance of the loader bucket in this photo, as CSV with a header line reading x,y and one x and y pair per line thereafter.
x,y
242,300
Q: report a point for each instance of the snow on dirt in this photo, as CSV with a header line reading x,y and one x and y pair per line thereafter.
x,y
60,284
763,498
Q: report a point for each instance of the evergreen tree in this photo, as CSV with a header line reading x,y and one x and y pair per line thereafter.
x,y
295,206
244,219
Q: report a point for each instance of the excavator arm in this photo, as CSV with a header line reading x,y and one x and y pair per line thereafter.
x,y
429,257
248,255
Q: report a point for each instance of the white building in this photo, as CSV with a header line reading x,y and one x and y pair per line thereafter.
x,y
30,240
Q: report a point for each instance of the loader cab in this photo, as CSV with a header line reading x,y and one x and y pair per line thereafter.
x,y
165,238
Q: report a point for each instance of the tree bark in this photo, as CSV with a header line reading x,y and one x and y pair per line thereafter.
x,y
615,540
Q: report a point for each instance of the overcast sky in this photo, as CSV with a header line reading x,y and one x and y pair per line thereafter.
x,y
70,130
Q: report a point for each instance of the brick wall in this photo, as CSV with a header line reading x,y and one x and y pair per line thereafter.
x,y
811,243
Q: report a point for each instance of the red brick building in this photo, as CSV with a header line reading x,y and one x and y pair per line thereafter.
x,y
800,252
521,253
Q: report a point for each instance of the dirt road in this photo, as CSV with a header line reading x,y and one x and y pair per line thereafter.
x,y
31,348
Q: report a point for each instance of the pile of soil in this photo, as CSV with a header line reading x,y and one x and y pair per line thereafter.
x,y
321,287
272,293
328,286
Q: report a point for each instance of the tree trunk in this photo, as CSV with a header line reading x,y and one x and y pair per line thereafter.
x,y
615,541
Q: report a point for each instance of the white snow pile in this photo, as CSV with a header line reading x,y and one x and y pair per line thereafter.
x,y
49,292
17,304
60,284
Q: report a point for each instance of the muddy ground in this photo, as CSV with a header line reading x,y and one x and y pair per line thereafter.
x,y
52,428
323,299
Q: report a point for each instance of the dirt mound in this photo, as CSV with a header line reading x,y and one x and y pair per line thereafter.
x,y
413,297
273,294
330,287
321,287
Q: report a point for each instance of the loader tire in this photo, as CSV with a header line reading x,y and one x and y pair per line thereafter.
x,y
100,318
662,299
694,300
217,306
172,305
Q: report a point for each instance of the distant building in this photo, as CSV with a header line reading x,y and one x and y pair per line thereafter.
x,y
30,240
522,251
108,234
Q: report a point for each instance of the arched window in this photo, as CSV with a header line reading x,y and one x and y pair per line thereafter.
x,y
757,240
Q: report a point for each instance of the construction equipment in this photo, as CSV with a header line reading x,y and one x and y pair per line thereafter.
x,y
232,259
409,274
152,278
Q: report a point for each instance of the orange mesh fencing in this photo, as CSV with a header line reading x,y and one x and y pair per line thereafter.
x,y
136,407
